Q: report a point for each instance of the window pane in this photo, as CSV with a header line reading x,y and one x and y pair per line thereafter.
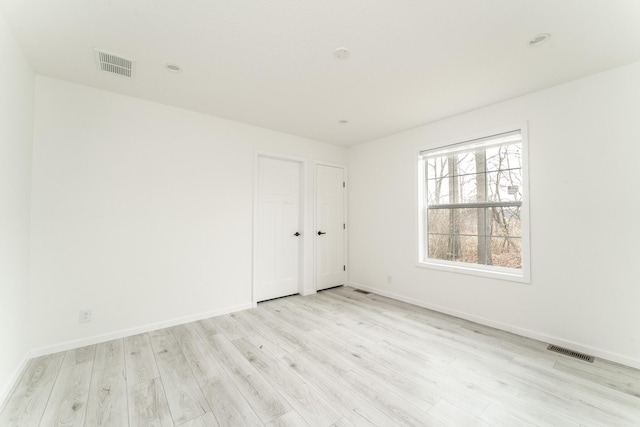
x,y
505,157
438,168
505,221
465,221
504,186
466,248
506,252
438,191
440,247
467,189
466,163
439,221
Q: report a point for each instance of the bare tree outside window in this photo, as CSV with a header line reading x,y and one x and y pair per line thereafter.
x,y
472,202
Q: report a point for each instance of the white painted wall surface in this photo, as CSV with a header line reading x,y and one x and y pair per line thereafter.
x,y
584,147
142,212
16,129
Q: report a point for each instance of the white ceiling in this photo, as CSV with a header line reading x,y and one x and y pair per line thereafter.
x,y
270,63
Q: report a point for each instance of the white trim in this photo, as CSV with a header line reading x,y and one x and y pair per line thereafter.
x,y
514,275
583,348
345,240
550,339
303,216
471,136
13,381
96,339
331,164
475,270
279,156
440,309
467,146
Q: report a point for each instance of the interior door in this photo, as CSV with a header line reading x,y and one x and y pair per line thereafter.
x,y
278,228
330,227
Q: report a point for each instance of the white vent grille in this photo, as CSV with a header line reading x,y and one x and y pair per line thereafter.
x,y
116,64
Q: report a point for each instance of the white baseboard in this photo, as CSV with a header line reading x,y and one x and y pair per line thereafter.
x,y
13,381
594,351
583,348
96,339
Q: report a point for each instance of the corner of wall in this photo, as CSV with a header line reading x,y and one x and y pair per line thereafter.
x,y
16,142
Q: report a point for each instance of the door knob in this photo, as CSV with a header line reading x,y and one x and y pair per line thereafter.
x,y
296,234
320,233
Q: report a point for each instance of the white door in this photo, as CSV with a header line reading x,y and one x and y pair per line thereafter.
x,y
330,227
278,220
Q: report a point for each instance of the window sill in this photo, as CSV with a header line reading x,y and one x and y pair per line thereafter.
x,y
511,275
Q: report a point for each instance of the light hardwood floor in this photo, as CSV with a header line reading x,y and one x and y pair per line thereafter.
x,y
338,358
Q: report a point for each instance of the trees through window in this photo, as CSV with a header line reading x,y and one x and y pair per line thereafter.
x,y
472,202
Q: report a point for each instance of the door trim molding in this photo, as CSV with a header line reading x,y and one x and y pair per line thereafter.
x,y
303,215
315,219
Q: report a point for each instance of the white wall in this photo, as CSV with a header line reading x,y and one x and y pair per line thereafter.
x,y
584,146
142,212
16,125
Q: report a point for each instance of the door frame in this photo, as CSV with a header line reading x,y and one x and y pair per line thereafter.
x,y
315,219
258,154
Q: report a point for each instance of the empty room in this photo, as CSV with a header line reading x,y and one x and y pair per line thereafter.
x,y
319,213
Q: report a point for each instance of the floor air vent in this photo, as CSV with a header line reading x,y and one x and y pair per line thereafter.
x,y
570,353
361,291
113,63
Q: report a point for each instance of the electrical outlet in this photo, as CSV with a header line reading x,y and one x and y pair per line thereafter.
x,y
389,279
86,316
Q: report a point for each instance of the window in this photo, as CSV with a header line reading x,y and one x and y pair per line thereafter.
x,y
473,211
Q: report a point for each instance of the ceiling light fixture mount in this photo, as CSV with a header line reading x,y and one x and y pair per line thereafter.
x,y
174,68
341,53
538,39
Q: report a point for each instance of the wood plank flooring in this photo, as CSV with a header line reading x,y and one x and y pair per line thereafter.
x,y
336,359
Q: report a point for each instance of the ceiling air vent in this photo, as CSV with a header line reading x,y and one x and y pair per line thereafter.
x,y
113,63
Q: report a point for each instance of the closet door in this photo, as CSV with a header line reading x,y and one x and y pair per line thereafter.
x,y
330,227
279,228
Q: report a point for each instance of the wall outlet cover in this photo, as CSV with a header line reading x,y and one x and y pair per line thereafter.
x,y
86,316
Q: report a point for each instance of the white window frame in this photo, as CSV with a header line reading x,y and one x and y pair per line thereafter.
x,y
522,275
